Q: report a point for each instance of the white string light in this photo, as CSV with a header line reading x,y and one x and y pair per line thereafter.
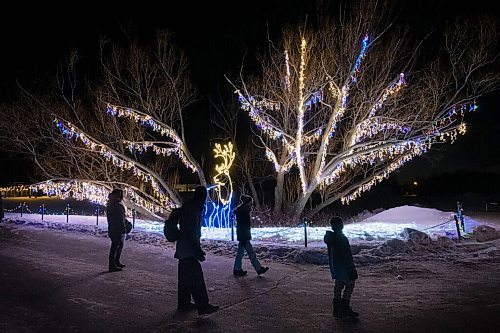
x,y
157,126
71,131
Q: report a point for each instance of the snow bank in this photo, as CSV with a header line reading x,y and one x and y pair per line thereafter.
x,y
423,217
484,233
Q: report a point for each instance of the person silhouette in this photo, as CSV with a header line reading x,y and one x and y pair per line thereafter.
x,y
342,268
244,235
191,282
115,214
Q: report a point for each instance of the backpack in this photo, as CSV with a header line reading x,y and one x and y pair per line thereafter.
x,y
128,226
170,230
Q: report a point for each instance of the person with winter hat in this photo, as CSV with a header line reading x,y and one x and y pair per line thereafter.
x,y
342,268
244,235
115,214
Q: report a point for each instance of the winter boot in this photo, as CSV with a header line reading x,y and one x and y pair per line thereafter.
x,y
262,270
209,308
336,307
346,309
239,272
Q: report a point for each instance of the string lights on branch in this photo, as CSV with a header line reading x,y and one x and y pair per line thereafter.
x,y
344,99
72,132
93,191
157,126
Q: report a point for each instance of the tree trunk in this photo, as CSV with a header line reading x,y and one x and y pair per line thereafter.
x,y
199,170
253,191
300,204
278,191
322,205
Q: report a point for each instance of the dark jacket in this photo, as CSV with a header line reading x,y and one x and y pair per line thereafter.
x,y
340,256
188,245
243,223
115,213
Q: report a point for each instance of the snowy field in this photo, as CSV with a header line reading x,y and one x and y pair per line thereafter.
x,y
380,227
383,237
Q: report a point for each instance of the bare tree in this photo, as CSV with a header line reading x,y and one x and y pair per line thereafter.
x,y
99,148
341,107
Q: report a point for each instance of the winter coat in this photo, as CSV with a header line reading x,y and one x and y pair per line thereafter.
x,y
243,223
340,256
115,213
188,244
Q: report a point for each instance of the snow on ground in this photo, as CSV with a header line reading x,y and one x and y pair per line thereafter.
x,y
380,227
56,281
386,236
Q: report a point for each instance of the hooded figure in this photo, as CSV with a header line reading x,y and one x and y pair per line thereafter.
x,y
115,213
191,282
342,268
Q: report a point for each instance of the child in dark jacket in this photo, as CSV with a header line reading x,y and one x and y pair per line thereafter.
x,y
341,267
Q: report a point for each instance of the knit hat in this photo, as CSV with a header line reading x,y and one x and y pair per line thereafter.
x,y
336,223
116,194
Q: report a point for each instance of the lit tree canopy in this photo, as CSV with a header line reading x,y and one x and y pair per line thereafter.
x,y
345,105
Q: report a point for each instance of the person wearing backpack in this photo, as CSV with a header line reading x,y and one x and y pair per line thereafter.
x,y
170,229
244,235
191,282
117,230
342,269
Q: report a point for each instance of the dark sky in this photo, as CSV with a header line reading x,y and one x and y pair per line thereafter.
x,y
216,36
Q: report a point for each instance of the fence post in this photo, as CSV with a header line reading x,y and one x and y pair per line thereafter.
x,y
22,209
97,216
462,220
43,210
67,213
232,229
458,227
305,232
133,218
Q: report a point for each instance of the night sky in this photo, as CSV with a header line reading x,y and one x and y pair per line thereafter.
x,y
216,37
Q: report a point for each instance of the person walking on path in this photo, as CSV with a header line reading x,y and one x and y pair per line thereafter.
x,y
244,235
342,268
191,282
115,213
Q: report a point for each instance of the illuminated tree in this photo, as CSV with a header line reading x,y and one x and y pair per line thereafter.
x,y
341,107
97,146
